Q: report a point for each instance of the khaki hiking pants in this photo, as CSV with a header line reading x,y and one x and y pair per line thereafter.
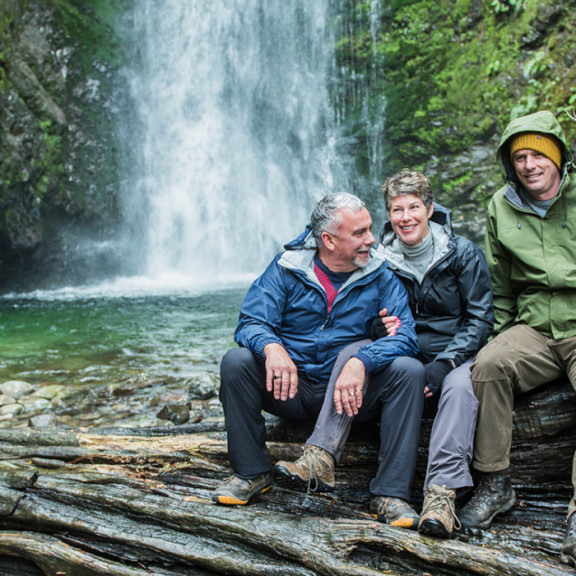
x,y
515,362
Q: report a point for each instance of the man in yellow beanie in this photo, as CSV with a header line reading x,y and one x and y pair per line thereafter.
x,y
531,252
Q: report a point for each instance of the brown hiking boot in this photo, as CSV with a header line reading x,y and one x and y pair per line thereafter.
x,y
438,516
237,491
493,496
394,511
314,470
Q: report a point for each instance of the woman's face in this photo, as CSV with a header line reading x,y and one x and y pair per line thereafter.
x,y
409,218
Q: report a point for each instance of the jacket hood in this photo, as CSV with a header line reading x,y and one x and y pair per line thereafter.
x,y
304,241
441,215
544,122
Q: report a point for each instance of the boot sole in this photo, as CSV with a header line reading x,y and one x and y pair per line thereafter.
x,y
286,479
232,501
502,510
432,527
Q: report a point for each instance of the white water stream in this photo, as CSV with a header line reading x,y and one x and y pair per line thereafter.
x,y
230,133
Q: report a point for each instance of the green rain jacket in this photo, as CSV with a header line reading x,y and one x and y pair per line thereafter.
x,y
532,260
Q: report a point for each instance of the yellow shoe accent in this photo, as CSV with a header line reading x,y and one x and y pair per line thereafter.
x,y
238,492
403,523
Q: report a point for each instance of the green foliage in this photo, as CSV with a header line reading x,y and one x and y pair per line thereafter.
x,y
454,73
90,22
10,11
500,6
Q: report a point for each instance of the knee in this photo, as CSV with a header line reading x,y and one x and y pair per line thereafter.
x,y
346,353
234,362
410,372
458,390
491,360
408,366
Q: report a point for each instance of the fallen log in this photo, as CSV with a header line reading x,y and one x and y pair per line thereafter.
x,y
132,502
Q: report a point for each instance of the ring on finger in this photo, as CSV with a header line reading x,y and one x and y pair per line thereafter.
x,y
276,377
351,394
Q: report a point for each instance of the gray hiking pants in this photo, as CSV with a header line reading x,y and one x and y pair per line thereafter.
x,y
393,398
452,436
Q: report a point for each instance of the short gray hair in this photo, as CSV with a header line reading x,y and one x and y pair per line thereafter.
x,y
407,182
326,214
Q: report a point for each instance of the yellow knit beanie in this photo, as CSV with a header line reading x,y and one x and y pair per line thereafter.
x,y
542,143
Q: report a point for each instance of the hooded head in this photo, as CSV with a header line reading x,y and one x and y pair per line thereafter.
x,y
542,132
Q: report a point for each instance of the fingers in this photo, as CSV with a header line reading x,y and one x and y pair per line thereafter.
x,y
270,380
283,384
348,400
293,388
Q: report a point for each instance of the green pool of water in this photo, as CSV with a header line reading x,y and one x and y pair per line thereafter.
x,y
80,338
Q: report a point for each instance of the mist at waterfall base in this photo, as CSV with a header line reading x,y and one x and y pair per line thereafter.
x,y
227,141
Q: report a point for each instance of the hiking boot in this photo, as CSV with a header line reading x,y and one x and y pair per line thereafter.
x,y
568,555
394,511
237,491
493,496
438,516
314,470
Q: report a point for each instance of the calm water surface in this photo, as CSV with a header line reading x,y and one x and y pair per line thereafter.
x,y
84,337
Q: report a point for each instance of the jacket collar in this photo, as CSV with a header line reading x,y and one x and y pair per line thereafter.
x,y
391,251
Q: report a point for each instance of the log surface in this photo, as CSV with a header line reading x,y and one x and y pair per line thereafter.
x,y
132,502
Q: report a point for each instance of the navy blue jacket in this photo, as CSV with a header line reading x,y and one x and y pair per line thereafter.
x,y
287,305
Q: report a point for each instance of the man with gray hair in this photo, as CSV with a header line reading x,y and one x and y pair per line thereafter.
x,y
314,299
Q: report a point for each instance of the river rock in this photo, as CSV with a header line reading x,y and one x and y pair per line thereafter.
x,y
50,392
204,386
176,397
10,409
176,413
6,400
43,421
16,388
31,404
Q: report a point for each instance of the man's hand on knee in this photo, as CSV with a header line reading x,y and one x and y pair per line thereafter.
x,y
348,390
281,372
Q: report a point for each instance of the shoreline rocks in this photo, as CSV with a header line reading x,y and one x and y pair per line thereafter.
x,y
142,403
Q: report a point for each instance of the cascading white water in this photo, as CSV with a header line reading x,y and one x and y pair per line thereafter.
x,y
230,131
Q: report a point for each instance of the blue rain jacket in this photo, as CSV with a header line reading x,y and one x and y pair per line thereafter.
x,y
288,305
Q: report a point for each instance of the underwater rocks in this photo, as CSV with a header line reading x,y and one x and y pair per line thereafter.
x,y
141,402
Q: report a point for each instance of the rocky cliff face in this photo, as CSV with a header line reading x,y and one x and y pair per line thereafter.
x,y
57,172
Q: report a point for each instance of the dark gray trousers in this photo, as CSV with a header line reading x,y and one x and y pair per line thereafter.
x,y
390,397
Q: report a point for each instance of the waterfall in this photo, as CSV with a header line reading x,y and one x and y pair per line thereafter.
x,y
229,132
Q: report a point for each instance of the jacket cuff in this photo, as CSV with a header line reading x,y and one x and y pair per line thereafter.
x,y
451,361
365,360
262,343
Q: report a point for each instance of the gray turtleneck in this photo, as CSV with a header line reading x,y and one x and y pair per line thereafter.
x,y
418,258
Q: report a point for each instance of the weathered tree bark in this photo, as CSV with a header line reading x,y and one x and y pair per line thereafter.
x,y
137,502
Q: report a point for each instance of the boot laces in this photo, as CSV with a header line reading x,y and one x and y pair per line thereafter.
x,y
438,502
312,460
